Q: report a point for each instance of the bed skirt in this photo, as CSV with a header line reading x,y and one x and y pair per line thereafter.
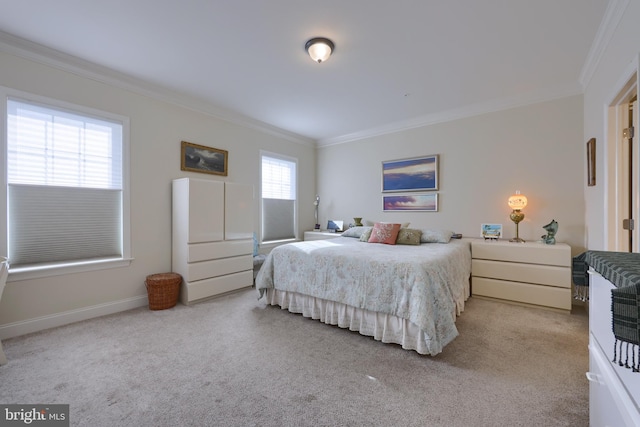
x,y
382,327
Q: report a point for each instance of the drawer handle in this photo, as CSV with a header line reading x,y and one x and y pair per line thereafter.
x,y
594,378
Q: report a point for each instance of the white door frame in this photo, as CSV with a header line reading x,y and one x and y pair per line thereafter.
x,y
616,172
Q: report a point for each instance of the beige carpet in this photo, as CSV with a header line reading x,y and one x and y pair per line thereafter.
x,y
235,362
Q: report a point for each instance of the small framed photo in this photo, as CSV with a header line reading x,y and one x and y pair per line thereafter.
x,y
334,225
198,158
411,202
491,231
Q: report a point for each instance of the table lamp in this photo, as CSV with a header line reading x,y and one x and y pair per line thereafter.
x,y
316,203
517,202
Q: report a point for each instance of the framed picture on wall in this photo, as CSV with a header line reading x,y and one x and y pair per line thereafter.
x,y
411,202
591,162
198,158
415,174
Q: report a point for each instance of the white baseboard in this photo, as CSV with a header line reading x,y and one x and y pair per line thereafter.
x,y
24,327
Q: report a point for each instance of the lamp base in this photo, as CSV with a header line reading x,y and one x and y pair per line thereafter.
x,y
517,216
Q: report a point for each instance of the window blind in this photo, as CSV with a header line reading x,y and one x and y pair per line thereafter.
x,y
65,181
278,198
278,219
62,224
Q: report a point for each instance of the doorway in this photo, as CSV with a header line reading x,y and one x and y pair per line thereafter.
x,y
622,170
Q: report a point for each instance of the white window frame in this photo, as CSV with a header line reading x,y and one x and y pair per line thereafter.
x,y
264,153
57,269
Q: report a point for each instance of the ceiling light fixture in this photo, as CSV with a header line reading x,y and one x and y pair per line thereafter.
x,y
319,49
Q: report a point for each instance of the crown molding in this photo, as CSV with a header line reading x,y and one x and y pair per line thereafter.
x,y
456,114
35,52
612,16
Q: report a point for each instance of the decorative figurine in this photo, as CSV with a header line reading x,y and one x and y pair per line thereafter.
x,y
552,229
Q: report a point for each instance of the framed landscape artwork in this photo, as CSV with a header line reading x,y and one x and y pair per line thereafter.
x,y
415,174
411,202
198,158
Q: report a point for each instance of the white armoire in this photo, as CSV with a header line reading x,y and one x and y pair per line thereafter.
x,y
212,237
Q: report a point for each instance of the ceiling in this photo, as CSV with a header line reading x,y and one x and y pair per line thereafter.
x,y
396,64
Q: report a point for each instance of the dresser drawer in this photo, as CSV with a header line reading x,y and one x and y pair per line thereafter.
x,y
218,267
194,291
204,251
610,403
529,252
602,408
548,296
517,272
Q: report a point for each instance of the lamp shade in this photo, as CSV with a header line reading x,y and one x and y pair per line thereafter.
x,y
319,49
517,201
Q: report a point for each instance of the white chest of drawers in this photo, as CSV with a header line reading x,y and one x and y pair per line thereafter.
x,y
528,273
212,237
614,391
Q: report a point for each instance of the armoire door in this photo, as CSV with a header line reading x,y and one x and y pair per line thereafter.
x,y
206,211
238,211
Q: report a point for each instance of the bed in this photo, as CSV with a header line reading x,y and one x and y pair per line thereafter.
x,y
407,294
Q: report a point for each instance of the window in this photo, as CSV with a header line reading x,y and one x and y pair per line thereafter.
x,y
278,198
66,187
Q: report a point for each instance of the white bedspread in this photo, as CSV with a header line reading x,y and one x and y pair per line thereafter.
x,y
425,284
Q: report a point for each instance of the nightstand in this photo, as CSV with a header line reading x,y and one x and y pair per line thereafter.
x,y
528,273
320,235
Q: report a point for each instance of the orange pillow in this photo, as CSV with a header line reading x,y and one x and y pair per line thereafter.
x,y
384,233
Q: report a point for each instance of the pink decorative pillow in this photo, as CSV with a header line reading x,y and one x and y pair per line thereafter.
x,y
384,233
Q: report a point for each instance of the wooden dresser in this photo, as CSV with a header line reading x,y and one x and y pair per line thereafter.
x,y
528,273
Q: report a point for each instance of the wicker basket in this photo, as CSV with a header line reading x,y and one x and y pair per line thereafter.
x,y
163,290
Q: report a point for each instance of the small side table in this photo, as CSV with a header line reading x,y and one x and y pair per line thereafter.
x,y
320,235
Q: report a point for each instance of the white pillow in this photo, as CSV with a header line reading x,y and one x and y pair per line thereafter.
x,y
435,236
355,232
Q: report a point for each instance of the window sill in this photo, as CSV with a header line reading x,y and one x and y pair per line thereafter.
x,y
27,273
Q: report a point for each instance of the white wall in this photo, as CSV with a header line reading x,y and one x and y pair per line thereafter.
x,y
537,149
619,56
156,131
